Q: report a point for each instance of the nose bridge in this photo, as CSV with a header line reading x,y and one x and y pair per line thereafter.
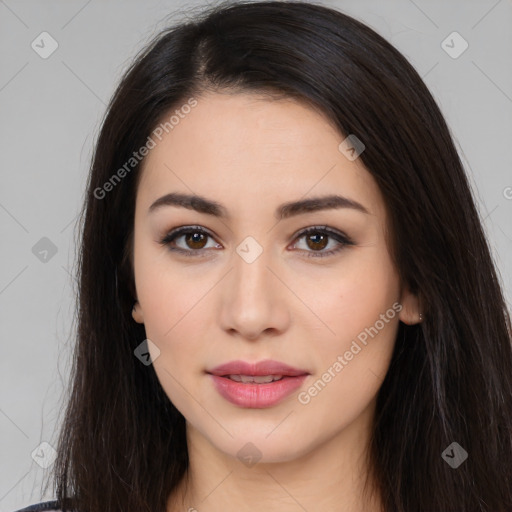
x,y
251,276
252,302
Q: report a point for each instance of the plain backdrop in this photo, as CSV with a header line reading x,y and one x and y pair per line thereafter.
x,y
50,115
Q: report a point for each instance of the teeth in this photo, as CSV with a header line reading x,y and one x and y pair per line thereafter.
x,y
260,379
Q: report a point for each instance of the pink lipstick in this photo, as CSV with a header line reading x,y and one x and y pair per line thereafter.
x,y
256,385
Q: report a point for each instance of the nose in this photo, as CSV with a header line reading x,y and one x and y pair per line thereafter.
x,y
254,301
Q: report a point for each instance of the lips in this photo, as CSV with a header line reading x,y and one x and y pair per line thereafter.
x,y
256,385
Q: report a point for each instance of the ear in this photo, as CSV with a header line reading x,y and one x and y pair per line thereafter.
x,y
137,314
410,313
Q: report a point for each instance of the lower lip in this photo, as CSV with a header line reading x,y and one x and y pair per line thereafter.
x,y
256,396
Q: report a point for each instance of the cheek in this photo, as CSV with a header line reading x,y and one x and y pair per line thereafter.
x,y
163,292
172,311
350,369
360,309
351,297
173,300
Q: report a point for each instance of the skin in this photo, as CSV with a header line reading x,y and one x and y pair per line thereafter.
x,y
251,154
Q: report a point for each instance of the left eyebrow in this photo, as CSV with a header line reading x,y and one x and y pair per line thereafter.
x,y
283,211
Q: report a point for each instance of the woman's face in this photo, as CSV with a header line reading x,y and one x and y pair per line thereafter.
x,y
246,284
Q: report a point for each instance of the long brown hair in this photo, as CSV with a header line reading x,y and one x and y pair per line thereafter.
x,y
122,444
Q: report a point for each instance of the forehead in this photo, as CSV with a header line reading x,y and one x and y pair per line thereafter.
x,y
246,147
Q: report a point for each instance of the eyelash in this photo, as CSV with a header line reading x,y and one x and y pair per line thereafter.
x,y
342,239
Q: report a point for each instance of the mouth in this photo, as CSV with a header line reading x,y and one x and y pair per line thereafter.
x,y
256,385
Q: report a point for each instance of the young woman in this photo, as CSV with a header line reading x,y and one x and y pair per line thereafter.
x,y
287,301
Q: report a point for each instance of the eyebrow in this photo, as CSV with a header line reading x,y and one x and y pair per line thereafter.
x,y
202,205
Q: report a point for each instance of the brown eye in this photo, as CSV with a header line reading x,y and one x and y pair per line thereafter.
x,y
317,242
190,241
318,238
195,239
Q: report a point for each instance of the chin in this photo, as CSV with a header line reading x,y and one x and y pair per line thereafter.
x,y
256,446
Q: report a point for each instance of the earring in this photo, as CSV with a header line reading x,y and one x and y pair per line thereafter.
x,y
421,317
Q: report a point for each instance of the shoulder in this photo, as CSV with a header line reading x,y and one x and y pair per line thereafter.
x,y
46,506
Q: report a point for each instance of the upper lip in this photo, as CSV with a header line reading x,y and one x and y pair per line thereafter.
x,y
266,367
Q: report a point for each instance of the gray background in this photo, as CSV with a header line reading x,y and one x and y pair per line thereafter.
x,y
50,114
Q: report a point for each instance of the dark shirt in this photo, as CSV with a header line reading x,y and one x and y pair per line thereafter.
x,y
46,506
